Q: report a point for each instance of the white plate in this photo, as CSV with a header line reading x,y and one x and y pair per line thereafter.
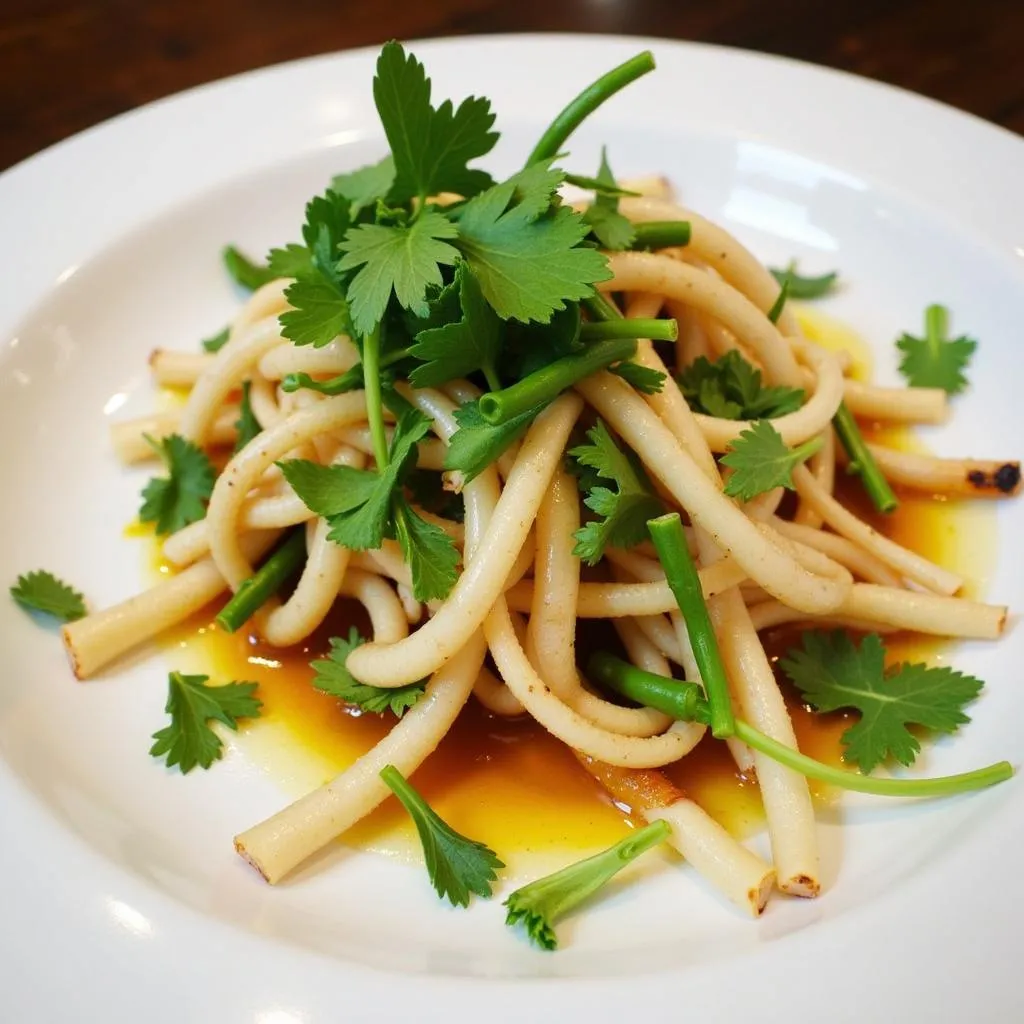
x,y
124,900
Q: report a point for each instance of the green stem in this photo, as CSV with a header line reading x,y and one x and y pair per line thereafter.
x,y
599,307
374,404
254,592
936,324
862,462
587,102
780,300
684,582
661,234
656,330
549,381
491,376
947,785
683,701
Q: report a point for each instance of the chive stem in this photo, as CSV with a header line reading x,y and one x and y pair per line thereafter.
x,y
587,102
862,462
599,307
656,330
936,323
545,384
683,701
661,234
259,588
374,403
684,582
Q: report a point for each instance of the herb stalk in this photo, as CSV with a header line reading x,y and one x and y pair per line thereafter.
x,y
259,588
661,234
862,462
656,330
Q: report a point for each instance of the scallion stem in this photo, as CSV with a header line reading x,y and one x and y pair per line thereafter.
x,y
661,234
587,102
599,307
264,584
862,462
547,383
672,696
656,330
684,582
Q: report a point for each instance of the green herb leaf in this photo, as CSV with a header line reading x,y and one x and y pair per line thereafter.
x,y
477,443
934,361
430,147
622,513
613,230
528,266
761,461
428,551
642,378
293,260
805,287
180,498
365,186
41,591
730,388
463,346
333,678
540,904
457,865
247,425
243,271
404,259
327,220
329,490
189,741
780,301
319,312
217,341
832,673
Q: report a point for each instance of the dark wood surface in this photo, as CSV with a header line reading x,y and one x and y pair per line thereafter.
x,y
68,64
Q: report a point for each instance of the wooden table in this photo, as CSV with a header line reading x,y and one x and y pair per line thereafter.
x,y
68,64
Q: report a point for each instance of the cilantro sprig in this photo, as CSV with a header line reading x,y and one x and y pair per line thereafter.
x,y
189,740
333,678
622,513
730,388
760,461
542,902
936,361
175,500
800,287
41,591
457,866
832,672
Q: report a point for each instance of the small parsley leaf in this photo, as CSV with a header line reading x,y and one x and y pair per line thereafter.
x,y
761,461
332,677
427,550
642,378
404,259
730,388
41,591
805,287
319,311
613,230
832,672
189,741
365,186
178,499
457,865
622,513
243,271
217,341
934,361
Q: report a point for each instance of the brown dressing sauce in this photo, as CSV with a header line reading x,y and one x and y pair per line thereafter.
x,y
508,782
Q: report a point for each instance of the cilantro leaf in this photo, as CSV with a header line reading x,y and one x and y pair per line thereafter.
x,y
333,678
247,425
327,220
328,490
457,865
217,341
730,388
613,230
189,741
293,260
243,271
642,378
428,551
180,498
462,346
934,361
832,673
528,266
761,461
622,513
533,187
41,591
477,443
805,287
366,185
404,259
430,146
540,903
319,311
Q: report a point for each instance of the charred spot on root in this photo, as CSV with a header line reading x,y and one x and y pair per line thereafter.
x,y
1006,479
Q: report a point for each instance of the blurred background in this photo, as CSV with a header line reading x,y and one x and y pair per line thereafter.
x,y
68,64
